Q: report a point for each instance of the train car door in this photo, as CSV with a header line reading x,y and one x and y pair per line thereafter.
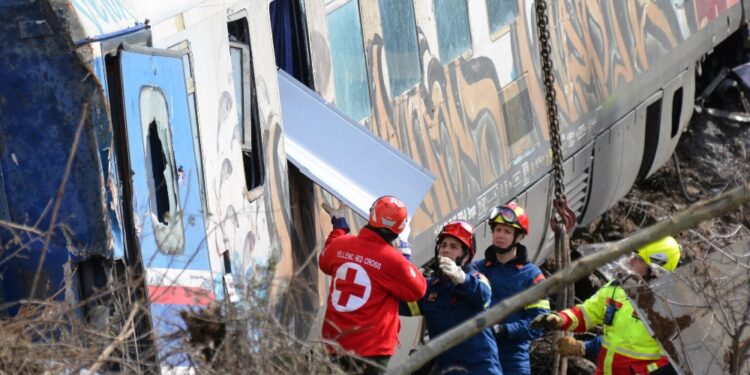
x,y
167,220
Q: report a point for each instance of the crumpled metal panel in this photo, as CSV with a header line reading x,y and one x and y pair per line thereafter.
x,y
701,313
342,156
45,93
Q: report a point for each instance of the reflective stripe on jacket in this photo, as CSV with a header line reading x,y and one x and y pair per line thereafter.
x,y
627,344
507,280
445,306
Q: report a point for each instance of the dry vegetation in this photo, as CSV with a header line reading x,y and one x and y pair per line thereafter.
x,y
50,338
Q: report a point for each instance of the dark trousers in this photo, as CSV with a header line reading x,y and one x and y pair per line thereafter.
x,y
376,365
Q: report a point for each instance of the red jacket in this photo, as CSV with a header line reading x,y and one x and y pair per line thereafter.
x,y
368,278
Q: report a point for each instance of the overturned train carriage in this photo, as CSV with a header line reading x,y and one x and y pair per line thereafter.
x,y
457,86
132,155
150,140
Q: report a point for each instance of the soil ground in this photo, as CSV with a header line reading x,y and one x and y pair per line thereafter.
x,y
713,156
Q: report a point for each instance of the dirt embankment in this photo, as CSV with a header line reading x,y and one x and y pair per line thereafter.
x,y
713,156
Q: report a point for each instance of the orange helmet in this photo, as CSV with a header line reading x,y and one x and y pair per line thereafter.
x,y
390,213
510,214
463,232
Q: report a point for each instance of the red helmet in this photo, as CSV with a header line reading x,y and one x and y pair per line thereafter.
x,y
388,212
463,232
510,214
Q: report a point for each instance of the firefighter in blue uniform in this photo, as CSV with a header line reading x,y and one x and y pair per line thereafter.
x,y
455,293
506,266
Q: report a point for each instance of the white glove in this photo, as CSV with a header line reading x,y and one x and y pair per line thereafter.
x,y
338,216
335,213
451,270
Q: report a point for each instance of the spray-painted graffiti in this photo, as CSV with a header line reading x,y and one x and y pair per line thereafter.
x,y
601,47
101,16
481,138
442,126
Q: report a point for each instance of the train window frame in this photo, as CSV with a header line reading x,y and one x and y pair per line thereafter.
x,y
411,59
469,50
504,28
363,108
251,142
166,221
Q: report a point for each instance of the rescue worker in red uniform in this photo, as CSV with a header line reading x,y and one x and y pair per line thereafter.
x,y
368,279
457,292
627,346
507,267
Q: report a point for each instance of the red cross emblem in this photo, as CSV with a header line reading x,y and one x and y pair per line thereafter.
x,y
351,287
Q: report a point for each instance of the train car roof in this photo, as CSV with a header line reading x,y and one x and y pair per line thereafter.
x,y
89,20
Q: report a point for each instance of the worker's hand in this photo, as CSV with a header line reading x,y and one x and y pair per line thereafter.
x,y
338,212
403,247
338,216
547,321
569,346
500,331
451,270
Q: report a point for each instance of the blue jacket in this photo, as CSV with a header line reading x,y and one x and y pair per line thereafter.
x,y
506,281
445,306
592,348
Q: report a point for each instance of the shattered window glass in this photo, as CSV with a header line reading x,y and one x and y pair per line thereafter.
x,y
166,214
243,78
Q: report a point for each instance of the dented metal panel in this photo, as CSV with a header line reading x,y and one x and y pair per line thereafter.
x,y
51,109
700,313
342,156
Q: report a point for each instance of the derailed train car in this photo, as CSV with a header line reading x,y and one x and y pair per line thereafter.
x,y
142,146
150,138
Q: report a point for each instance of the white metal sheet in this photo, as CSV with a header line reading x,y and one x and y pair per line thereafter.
x,y
344,157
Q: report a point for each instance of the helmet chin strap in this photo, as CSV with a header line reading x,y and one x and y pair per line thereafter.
x,y
460,260
505,250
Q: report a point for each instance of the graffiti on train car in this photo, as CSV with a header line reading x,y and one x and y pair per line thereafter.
x,y
482,135
103,15
465,145
602,47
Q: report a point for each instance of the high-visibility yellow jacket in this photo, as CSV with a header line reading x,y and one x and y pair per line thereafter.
x,y
627,347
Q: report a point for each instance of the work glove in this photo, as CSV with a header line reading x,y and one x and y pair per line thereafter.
x,y
452,271
403,247
338,216
569,346
547,321
500,331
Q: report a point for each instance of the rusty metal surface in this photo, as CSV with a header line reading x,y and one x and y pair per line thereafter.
x,y
701,313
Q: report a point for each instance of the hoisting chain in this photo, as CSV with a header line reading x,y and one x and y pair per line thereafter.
x,y
564,212
563,219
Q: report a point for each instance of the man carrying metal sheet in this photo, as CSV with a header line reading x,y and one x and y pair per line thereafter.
x,y
368,279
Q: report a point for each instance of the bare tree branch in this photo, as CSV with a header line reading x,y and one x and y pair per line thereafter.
x,y
59,197
127,330
608,252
